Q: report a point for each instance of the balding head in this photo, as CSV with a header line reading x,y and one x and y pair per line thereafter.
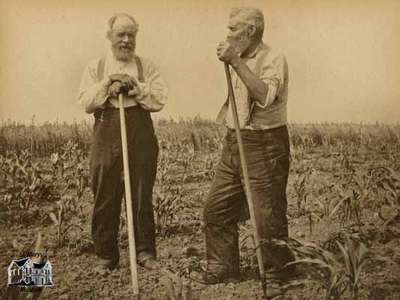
x,y
249,16
122,20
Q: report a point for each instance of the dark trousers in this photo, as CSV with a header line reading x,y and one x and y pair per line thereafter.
x,y
106,168
267,155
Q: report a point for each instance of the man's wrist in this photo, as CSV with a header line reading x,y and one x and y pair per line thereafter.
x,y
235,62
107,82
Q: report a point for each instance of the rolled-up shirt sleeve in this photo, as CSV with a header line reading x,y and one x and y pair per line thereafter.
x,y
273,74
92,93
153,91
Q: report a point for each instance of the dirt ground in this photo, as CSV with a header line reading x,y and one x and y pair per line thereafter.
x,y
181,247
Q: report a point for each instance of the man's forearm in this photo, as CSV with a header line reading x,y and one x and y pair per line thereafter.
x,y
258,89
152,97
153,92
94,96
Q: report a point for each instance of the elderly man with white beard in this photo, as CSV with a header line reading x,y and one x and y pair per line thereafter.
x,y
122,71
260,83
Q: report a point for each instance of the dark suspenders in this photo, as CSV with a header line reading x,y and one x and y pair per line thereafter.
x,y
139,68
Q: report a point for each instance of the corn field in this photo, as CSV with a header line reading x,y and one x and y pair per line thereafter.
x,y
343,209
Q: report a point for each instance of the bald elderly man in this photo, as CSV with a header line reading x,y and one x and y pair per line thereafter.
x,y
260,81
122,71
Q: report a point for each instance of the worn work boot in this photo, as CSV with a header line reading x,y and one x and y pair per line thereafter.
x,y
105,265
206,277
149,263
281,253
284,274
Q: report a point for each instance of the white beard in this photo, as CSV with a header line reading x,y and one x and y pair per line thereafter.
x,y
123,54
240,43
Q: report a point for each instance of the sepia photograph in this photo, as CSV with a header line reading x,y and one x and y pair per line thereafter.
x,y
200,150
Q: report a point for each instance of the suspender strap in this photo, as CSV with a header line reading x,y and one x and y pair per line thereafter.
x,y
139,68
100,69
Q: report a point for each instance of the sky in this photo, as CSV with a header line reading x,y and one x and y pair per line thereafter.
x,y
342,55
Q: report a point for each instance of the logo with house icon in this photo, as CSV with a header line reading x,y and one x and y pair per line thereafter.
x,y
25,273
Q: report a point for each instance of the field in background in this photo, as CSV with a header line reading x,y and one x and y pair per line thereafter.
x,y
343,194
51,137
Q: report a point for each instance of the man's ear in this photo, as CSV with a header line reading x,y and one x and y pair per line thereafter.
x,y
251,30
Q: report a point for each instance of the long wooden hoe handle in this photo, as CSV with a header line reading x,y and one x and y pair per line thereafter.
x,y
243,163
128,198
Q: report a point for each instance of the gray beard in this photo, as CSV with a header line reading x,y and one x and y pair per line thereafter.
x,y
241,44
123,55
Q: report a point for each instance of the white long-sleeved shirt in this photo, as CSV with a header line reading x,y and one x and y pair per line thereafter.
x,y
270,66
93,93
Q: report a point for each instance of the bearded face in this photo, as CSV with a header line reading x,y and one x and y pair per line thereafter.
x,y
123,43
238,36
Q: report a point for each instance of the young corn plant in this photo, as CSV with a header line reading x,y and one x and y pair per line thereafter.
x,y
345,161
68,214
166,206
69,168
176,288
336,272
352,208
312,219
328,207
59,219
388,187
354,256
356,197
300,189
329,269
25,186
